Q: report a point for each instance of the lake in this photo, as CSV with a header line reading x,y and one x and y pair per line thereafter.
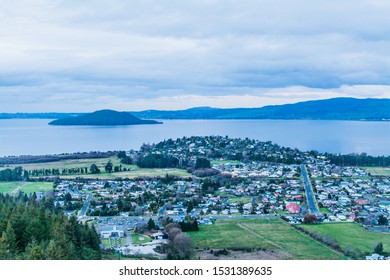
x,y
36,137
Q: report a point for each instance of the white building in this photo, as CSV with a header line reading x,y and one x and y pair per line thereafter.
x,y
112,231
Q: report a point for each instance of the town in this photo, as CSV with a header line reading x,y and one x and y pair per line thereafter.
x,y
227,179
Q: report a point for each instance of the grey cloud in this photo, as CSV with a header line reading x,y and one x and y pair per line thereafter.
x,y
128,50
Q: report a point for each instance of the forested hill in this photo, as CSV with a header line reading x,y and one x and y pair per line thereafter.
x,y
328,109
103,117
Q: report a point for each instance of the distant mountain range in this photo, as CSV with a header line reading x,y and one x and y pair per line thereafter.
x,y
50,115
329,109
103,117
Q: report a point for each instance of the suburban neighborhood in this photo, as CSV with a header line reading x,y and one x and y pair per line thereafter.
x,y
233,186
139,201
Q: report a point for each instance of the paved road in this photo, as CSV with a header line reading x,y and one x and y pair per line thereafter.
x,y
129,240
86,205
131,220
309,191
161,212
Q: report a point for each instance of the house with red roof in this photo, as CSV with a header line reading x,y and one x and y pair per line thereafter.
x,y
293,208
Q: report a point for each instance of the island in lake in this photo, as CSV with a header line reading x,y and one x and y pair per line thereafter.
x,y
103,117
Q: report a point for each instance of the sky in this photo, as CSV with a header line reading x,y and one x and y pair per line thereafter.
x,y
81,56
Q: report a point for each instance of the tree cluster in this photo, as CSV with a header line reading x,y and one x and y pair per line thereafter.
x,y
36,230
310,219
52,158
157,161
57,171
189,226
180,247
202,163
205,172
15,174
358,160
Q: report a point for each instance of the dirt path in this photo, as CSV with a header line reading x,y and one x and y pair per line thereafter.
x,y
282,250
18,189
258,235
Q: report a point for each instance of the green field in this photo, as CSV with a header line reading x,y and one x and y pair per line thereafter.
x,y
243,200
108,242
71,163
269,234
139,172
325,210
352,235
101,162
27,187
140,239
378,171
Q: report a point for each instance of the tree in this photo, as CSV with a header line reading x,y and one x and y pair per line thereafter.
x,y
94,169
127,160
121,154
151,224
108,167
119,203
170,226
35,252
183,244
378,248
190,207
241,208
310,219
173,232
382,220
202,163
8,248
253,209
67,198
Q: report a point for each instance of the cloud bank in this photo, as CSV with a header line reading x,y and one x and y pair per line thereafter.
x,y
134,55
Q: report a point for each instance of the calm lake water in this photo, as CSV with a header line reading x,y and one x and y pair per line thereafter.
x,y
36,137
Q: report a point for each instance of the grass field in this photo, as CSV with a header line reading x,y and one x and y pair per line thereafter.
x,y
352,235
269,234
140,172
108,242
243,200
27,187
101,162
71,163
378,171
140,239
325,210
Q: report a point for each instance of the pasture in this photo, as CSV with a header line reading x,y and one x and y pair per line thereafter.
x,y
263,234
351,235
27,187
134,170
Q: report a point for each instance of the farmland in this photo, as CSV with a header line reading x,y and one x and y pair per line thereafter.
x,y
272,235
378,171
133,171
350,235
27,187
69,163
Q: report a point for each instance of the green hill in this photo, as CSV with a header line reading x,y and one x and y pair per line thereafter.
x,y
102,118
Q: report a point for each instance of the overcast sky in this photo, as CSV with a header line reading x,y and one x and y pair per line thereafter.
x,y
80,56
